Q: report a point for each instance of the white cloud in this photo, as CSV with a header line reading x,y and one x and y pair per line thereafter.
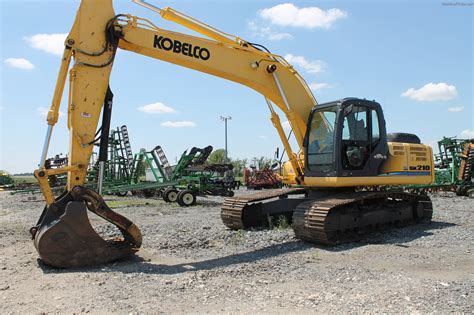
x,y
432,92
286,124
43,111
262,137
178,124
50,43
287,14
156,108
277,36
467,134
456,109
267,32
309,66
19,63
320,86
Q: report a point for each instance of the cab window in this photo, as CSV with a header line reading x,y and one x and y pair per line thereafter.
x,y
355,125
320,149
375,128
355,138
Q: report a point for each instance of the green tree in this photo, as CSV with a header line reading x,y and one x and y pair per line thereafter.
x,y
239,167
217,157
261,162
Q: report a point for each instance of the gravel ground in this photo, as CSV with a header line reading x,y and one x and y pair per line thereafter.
x,y
190,262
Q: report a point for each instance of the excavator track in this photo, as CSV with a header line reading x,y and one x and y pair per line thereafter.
x,y
347,217
242,212
328,218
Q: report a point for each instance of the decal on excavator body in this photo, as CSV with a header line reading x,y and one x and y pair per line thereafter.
x,y
178,47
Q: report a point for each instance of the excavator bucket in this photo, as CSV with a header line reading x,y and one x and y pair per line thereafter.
x,y
66,239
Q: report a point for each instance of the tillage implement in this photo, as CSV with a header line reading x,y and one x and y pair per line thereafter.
x,y
342,153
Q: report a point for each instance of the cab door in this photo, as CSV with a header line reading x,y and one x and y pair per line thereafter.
x,y
363,146
320,146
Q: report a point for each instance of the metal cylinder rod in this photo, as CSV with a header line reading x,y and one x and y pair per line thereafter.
x,y
226,140
47,140
299,134
272,111
225,119
276,122
147,5
104,136
180,18
280,89
269,104
100,179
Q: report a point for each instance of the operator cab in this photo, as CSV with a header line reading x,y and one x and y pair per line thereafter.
x,y
345,138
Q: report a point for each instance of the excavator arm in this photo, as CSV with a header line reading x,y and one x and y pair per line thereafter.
x,y
92,43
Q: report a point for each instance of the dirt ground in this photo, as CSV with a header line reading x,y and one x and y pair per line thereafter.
x,y
191,263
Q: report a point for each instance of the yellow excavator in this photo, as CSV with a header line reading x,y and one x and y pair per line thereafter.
x,y
344,153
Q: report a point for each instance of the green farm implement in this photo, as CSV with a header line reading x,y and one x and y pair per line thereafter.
x,y
6,181
149,173
57,182
189,178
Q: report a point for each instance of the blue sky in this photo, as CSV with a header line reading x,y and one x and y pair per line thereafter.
x,y
413,57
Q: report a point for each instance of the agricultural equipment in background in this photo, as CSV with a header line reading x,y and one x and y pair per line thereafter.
x,y
120,160
454,166
117,167
125,172
57,181
265,178
191,177
466,168
118,170
149,173
6,181
53,163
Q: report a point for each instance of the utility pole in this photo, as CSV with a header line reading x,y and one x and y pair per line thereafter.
x,y
225,119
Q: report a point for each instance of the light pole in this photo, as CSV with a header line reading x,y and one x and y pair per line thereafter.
x,y
225,119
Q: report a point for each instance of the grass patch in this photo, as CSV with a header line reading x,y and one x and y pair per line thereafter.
x,y
237,237
279,223
24,179
129,203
